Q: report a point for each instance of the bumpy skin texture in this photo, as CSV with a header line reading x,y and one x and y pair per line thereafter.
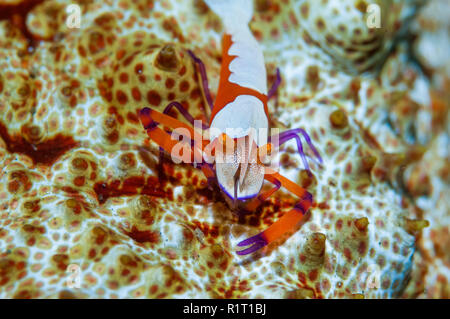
x,y
81,185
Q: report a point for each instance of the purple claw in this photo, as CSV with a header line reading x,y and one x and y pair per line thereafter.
x,y
311,145
293,134
249,240
303,156
258,242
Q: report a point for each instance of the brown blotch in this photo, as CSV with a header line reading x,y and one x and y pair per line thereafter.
x,y
143,236
131,186
43,153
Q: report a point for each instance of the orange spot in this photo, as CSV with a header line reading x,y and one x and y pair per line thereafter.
x,y
131,186
170,83
153,98
139,68
136,94
123,77
121,97
184,86
143,236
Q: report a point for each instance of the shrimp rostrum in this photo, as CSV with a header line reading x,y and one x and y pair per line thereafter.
x,y
238,149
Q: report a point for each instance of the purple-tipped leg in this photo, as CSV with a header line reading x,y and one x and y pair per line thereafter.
x,y
204,77
146,119
294,134
256,241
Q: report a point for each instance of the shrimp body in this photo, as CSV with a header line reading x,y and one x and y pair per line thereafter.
x,y
240,105
241,102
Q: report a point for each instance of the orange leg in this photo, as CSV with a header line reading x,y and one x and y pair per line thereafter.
x,y
209,173
148,115
253,204
165,141
287,222
151,118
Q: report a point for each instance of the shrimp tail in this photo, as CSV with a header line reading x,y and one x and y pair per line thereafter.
x,y
232,12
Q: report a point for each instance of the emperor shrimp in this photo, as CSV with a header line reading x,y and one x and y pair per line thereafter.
x,y
241,104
